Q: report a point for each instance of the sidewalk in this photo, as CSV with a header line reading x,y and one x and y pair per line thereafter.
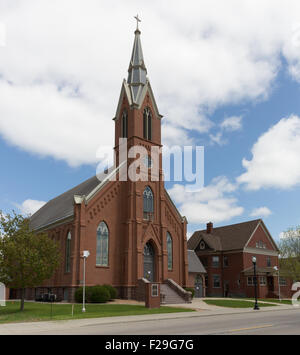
x,y
210,311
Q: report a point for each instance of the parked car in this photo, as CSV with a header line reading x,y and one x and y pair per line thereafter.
x,y
47,297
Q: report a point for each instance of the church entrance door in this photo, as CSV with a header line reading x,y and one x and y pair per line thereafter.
x,y
149,257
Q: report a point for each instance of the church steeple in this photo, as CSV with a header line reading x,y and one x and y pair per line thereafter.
x,y
137,117
137,72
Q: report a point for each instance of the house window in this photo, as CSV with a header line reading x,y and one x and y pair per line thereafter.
x,y
269,263
148,203
261,245
102,245
225,261
154,289
262,281
124,132
170,251
250,281
215,261
147,123
216,281
68,252
282,281
202,245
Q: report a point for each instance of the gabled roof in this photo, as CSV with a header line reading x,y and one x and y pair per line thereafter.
x,y
195,264
61,206
231,237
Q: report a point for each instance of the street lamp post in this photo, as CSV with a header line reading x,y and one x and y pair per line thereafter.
x,y
277,269
86,254
255,283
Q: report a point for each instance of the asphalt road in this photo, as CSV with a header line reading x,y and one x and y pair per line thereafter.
x,y
282,322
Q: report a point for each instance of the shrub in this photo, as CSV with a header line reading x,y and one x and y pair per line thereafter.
x,y
190,290
79,294
99,294
112,291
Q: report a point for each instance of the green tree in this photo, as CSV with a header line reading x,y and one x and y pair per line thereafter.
x,y
289,247
26,258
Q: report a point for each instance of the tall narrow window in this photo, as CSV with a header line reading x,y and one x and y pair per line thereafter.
x,y
147,123
102,245
148,203
170,251
124,123
68,252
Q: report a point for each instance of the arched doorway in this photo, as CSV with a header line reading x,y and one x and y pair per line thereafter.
x,y
149,261
198,286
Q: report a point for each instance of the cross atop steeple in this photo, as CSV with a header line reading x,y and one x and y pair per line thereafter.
x,y
137,22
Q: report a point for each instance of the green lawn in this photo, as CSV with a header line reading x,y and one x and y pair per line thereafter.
x,y
236,303
42,311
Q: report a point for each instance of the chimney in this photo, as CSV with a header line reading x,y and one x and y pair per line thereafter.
x,y
209,228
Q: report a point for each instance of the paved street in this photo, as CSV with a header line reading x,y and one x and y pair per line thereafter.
x,y
279,322
285,320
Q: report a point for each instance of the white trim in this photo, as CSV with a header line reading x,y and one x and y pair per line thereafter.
x,y
255,229
79,199
124,90
260,223
141,97
103,183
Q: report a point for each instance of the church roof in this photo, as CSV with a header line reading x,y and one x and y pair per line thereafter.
x,y
62,206
195,264
232,237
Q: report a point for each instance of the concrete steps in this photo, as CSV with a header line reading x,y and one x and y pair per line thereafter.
x,y
170,296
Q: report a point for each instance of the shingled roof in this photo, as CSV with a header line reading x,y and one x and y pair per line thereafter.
x,y
61,206
195,264
232,237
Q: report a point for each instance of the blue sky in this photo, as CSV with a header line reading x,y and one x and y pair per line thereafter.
x,y
226,79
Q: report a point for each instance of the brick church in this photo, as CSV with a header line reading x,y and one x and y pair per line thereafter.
x,y
132,229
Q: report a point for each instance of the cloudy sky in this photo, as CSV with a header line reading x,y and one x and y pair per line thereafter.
x,y
225,75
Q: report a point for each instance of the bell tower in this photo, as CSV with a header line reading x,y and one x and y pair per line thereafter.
x,y
137,118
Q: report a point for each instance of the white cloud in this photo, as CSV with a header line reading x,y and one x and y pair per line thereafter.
x,y
29,207
172,135
218,138
213,203
261,212
233,123
229,124
276,159
64,62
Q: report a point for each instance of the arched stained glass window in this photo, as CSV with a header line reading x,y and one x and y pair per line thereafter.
x,y
147,122
148,203
124,123
102,245
170,251
68,252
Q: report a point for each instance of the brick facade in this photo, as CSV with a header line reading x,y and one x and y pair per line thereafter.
x,y
228,268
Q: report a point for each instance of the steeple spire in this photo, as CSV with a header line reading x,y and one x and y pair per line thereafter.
x,y
137,70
